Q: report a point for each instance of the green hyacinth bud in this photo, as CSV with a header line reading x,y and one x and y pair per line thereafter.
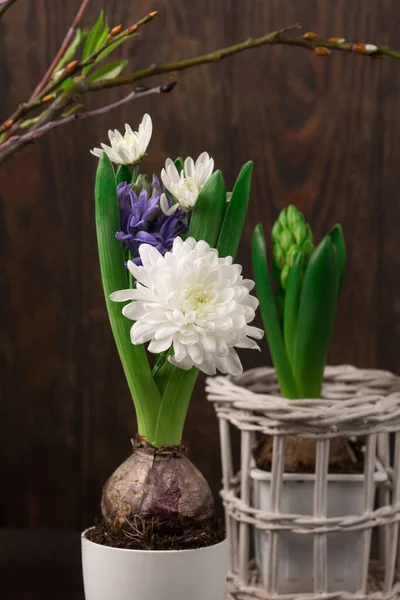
x,y
284,275
282,218
300,233
286,240
279,256
291,254
276,232
290,235
293,216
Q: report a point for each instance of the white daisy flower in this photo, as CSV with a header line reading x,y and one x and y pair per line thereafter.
x,y
192,300
185,187
130,148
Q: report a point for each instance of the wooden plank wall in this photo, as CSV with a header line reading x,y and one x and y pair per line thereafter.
x,y
324,134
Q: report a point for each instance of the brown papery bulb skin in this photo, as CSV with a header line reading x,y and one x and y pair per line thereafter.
x,y
156,483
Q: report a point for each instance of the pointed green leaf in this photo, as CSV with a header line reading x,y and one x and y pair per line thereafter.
x,y
103,37
269,316
124,173
337,237
114,277
318,303
291,305
232,227
208,214
70,52
178,162
92,40
110,48
67,83
108,71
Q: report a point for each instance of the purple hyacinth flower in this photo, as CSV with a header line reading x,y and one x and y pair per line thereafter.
x,y
142,221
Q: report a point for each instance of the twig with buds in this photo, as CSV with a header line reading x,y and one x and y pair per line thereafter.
x,y
67,40
56,95
5,5
320,46
14,143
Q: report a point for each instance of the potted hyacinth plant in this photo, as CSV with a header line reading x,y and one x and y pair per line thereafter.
x,y
166,249
298,321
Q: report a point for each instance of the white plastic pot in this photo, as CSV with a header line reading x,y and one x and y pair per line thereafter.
x,y
118,574
295,560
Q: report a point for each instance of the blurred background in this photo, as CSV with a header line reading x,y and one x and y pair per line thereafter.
x,y
324,135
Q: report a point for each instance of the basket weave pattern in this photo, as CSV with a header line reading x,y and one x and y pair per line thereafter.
x,y
355,402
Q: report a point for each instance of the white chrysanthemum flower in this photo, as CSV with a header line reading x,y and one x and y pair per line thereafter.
x,y
194,301
130,148
185,187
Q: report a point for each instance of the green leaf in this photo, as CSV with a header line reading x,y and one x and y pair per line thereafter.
x,y
269,316
114,277
337,237
178,162
161,358
70,52
67,83
92,40
124,173
291,305
72,110
232,227
103,37
208,213
113,46
318,302
108,71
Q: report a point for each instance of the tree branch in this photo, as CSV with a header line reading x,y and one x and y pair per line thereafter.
x,y
14,143
67,40
5,5
314,44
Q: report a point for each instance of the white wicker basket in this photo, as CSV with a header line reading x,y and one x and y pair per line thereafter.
x,y
259,507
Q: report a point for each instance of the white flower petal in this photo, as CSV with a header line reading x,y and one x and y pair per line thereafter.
x,y
166,209
186,364
254,332
149,255
157,346
129,148
195,352
234,365
123,295
142,332
193,301
189,168
134,311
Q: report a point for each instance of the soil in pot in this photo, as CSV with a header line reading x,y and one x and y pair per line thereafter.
x,y
158,534
345,456
157,500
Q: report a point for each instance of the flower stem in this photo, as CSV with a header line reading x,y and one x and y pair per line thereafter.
x,y
174,407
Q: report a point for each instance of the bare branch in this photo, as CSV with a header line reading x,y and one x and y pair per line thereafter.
x,y
5,5
67,40
14,143
321,47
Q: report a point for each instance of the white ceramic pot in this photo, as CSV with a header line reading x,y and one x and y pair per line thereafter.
x,y
118,574
345,498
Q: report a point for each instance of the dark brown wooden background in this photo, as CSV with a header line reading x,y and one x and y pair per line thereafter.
x,y
324,134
